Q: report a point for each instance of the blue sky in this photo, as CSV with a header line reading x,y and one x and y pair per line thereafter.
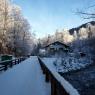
x,y
45,16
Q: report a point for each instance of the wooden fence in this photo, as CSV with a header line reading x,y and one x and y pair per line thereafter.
x,y
4,65
58,87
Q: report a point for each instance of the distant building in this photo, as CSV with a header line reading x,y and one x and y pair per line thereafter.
x,y
56,48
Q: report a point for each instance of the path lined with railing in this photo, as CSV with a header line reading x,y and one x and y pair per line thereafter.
x,y
34,77
5,65
24,79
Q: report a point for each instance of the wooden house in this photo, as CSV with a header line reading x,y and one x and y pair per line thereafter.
x,y
57,47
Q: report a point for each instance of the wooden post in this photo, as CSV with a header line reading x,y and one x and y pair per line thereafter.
x,y
15,61
62,91
21,59
11,63
53,87
5,67
44,70
47,76
18,61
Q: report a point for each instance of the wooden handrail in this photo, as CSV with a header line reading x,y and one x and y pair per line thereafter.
x,y
4,65
59,86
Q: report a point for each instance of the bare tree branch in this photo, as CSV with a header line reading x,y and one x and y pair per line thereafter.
x,y
85,13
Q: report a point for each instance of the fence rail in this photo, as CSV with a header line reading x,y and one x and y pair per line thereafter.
x,y
59,86
4,65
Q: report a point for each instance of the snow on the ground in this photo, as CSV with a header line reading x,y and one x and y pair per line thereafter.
x,y
24,79
69,63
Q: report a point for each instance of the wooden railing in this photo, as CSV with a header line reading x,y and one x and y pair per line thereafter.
x,y
59,86
4,65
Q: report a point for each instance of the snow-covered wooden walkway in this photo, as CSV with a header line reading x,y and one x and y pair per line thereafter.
x,y
24,79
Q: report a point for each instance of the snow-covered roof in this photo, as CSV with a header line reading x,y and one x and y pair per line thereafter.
x,y
57,43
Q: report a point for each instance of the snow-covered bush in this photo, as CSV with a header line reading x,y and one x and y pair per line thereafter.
x,y
70,63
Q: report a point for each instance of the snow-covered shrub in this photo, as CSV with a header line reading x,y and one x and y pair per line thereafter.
x,y
70,63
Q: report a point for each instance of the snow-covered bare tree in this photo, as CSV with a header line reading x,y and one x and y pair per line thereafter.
x,y
15,35
67,38
4,20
